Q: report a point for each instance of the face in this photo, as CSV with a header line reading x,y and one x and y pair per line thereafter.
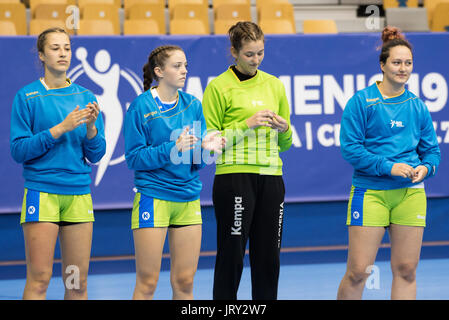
x,y
57,52
249,57
174,71
399,65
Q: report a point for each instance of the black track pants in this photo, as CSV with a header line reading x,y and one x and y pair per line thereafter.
x,y
248,206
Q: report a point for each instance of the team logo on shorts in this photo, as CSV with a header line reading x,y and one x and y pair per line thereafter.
x,y
31,209
146,215
356,215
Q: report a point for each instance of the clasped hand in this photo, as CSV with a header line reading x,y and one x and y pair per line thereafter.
x,y
213,141
404,170
267,118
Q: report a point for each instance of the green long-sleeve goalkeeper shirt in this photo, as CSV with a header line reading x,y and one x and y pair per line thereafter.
x,y
228,103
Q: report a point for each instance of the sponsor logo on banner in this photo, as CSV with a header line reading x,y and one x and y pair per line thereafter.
x,y
110,77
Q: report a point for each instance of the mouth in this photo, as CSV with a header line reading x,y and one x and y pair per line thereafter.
x,y
62,62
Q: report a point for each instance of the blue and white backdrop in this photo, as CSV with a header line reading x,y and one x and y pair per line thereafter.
x,y
320,73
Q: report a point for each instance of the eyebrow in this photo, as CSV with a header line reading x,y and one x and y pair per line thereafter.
x,y
254,51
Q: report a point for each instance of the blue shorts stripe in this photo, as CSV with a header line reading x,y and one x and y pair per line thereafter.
x,y
357,206
146,211
32,206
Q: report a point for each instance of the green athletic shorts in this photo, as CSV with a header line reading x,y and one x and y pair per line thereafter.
x,y
380,208
150,212
41,206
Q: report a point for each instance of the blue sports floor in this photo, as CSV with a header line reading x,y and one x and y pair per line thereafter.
x,y
317,281
312,264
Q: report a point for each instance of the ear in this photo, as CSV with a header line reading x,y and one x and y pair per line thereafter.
x,y
41,56
158,72
234,53
382,65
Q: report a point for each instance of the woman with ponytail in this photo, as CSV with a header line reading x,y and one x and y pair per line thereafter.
x,y
388,137
165,136
56,126
250,106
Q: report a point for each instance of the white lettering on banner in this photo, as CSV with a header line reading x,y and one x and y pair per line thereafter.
x,y
444,126
288,89
311,95
296,142
194,87
334,92
328,135
434,87
309,136
413,84
310,89
302,95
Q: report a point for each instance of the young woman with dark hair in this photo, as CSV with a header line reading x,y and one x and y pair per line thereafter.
x,y
165,139
388,137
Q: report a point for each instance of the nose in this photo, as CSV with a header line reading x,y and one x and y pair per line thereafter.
x,y
402,67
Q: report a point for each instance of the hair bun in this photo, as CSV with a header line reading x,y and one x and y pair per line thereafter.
x,y
391,33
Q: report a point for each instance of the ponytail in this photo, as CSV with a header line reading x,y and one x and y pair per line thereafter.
x,y
392,37
156,58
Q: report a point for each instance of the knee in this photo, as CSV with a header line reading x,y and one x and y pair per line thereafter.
x,y
146,283
405,270
76,287
38,280
183,282
357,275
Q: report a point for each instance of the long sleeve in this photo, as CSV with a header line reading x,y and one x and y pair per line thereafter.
x,y
214,105
95,148
24,144
198,158
140,154
352,138
285,138
428,149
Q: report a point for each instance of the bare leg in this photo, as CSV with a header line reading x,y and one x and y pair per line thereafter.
x,y
363,245
76,243
406,242
185,245
40,241
148,244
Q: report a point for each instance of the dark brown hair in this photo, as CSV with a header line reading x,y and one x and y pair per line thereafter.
x,y
156,58
43,37
392,37
244,31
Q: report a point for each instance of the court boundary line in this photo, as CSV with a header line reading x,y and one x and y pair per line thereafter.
x,y
214,252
